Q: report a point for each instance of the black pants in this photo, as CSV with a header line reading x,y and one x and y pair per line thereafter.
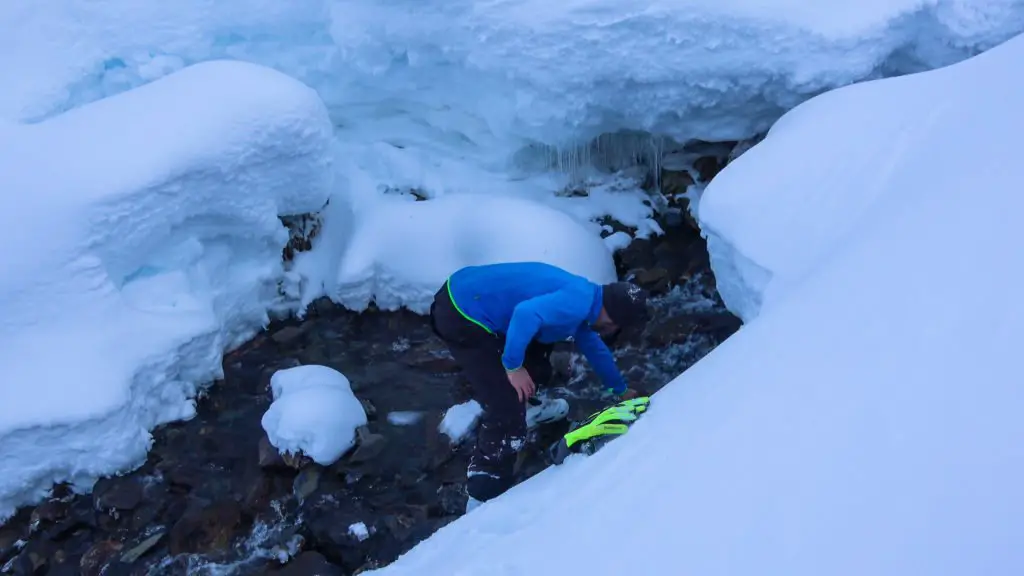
x,y
502,429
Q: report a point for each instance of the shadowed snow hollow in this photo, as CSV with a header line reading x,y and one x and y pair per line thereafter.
x,y
142,240
867,420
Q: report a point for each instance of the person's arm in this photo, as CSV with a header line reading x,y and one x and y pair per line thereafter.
x,y
568,306
601,360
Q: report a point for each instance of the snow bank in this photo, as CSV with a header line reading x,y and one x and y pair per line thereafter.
x,y
528,69
867,421
446,106
142,239
314,412
400,252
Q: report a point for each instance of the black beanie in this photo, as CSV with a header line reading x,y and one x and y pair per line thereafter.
x,y
625,303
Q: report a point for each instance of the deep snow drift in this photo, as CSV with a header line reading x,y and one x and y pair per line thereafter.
x,y
867,420
142,240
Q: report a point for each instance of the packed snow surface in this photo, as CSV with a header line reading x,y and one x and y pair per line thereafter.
x,y
867,419
142,240
314,412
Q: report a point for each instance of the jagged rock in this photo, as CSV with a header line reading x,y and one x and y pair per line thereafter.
x,y
146,513
289,333
141,548
369,408
708,167
269,457
451,499
306,482
431,356
666,330
118,493
656,279
741,147
96,558
323,306
32,559
80,517
257,492
296,461
183,477
639,254
310,564
302,229
368,445
675,182
50,511
204,529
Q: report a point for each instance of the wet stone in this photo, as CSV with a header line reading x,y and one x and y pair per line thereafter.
x,y
368,445
655,280
142,548
118,493
204,529
50,511
96,558
306,482
431,356
269,457
288,334
309,564
369,408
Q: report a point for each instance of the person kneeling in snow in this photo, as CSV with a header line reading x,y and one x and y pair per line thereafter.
x,y
500,322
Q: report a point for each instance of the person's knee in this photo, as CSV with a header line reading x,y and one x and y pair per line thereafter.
x,y
483,486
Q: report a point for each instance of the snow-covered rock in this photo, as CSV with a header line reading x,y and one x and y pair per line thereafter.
x,y
400,252
314,413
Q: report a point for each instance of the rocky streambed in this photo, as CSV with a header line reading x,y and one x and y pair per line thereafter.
x,y
215,498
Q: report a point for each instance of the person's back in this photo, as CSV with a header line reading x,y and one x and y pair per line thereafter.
x,y
489,293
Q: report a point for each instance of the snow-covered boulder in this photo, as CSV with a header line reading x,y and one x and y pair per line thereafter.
x,y
400,252
314,413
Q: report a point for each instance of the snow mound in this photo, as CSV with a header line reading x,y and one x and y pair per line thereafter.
x,y
400,252
867,420
314,412
460,420
142,240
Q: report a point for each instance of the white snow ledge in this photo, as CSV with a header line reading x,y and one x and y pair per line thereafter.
x,y
142,241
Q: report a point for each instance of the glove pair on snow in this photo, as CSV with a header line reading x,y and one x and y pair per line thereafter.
x,y
603,425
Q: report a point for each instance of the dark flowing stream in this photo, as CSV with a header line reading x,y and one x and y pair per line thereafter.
x,y
214,498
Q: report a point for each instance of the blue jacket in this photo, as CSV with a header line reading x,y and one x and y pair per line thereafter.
x,y
535,301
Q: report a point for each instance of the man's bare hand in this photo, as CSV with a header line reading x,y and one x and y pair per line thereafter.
x,y
522,382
